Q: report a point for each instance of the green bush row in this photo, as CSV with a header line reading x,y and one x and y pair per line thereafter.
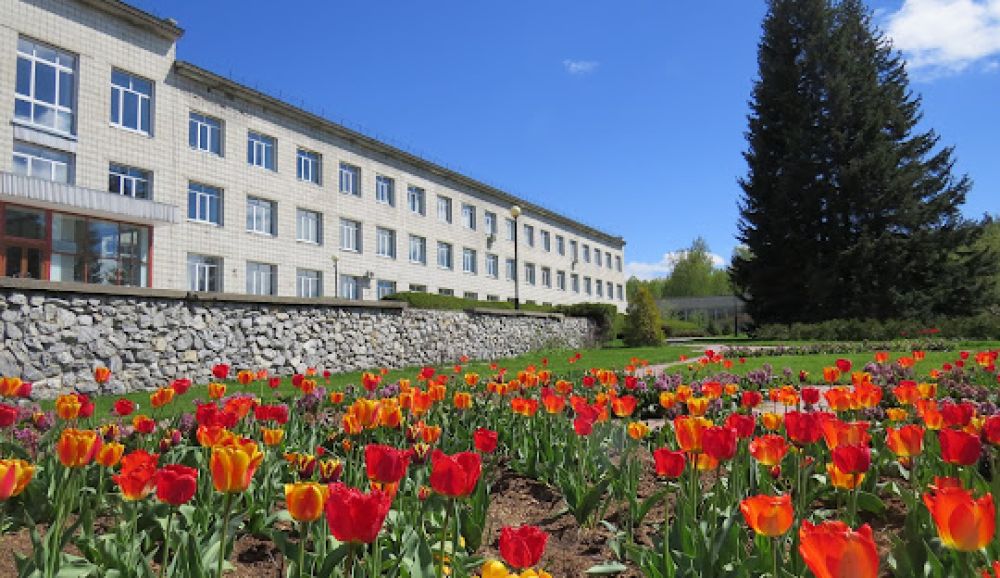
x,y
983,326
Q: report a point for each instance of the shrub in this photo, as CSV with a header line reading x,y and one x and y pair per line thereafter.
x,y
682,328
983,326
642,321
603,315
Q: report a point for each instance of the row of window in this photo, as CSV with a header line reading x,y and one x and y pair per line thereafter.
x,y
205,274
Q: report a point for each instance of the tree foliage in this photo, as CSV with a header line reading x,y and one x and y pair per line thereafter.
x,y
643,325
848,211
693,275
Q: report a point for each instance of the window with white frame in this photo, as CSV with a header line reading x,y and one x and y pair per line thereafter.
x,y
350,287
308,226
416,198
262,216
586,253
468,260
350,179
490,223
529,235
611,290
492,297
618,262
260,150
204,273
560,245
446,291
573,251
492,265
546,277
511,229
529,273
42,163
418,250
417,288
469,216
599,286
204,203
444,209
510,268
597,257
131,102
620,291
546,239
308,166
445,255
574,281
261,278
129,181
470,295
308,283
607,259
586,285
384,288
350,235
385,190
45,89
561,280
204,133
385,242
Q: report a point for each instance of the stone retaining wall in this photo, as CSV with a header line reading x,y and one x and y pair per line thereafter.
x,y
54,334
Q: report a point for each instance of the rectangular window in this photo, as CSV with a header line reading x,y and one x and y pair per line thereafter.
x,y
618,262
620,291
260,150
45,90
586,285
416,288
529,273
308,283
561,280
572,251
384,288
308,166
350,287
546,240
350,235
262,216
261,278
350,179
546,277
308,226
492,265
444,209
469,260
42,163
90,250
607,259
472,295
510,269
600,288
418,250
511,229
416,199
385,190
444,255
448,292
204,273
597,257
204,133
529,235
574,281
204,203
490,223
611,290
131,102
469,216
492,297
385,242
129,181
560,245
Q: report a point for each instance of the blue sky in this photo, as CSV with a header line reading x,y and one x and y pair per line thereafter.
x,y
628,116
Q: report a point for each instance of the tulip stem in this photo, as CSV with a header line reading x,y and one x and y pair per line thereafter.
x,y
666,542
774,556
444,535
303,537
166,544
225,527
349,561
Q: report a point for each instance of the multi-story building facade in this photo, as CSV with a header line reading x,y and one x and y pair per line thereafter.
x,y
121,165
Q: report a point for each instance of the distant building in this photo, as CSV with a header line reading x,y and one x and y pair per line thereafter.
x,y
121,165
723,311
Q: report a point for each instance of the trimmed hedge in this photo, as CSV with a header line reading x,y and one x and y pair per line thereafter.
x,y
984,326
681,328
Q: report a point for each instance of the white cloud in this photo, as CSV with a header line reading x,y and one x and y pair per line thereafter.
x,y
664,266
580,67
945,36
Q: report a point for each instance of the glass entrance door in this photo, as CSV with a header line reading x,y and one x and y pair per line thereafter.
x,y
22,262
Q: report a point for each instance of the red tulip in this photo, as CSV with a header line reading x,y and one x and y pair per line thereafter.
x,y
769,516
751,399
485,440
180,385
386,464
742,423
124,407
844,365
853,459
719,442
456,475
8,415
804,428
220,371
810,395
354,516
991,430
957,414
522,547
176,484
959,447
136,478
669,463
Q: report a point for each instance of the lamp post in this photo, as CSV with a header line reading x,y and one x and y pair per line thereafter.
x,y
515,212
336,276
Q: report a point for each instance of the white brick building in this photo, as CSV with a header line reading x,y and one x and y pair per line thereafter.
x,y
217,187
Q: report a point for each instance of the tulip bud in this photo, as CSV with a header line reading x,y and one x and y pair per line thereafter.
x,y
776,472
423,493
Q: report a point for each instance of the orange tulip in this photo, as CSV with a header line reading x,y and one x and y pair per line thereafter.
x,y
706,463
233,465
963,523
351,424
272,437
897,414
689,432
216,390
162,396
905,442
638,430
831,374
68,406
305,500
842,480
838,433
110,454
471,379
14,477
102,374
832,549
389,414
697,406
336,397
245,377
136,478
770,516
553,403
771,421
667,399
213,435
769,449
76,448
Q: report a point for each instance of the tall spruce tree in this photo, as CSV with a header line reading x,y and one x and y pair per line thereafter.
x,y
848,210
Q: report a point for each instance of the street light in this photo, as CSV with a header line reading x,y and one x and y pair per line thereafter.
x,y
515,212
336,276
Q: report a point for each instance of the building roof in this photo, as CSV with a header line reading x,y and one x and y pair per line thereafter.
x,y
164,27
213,80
